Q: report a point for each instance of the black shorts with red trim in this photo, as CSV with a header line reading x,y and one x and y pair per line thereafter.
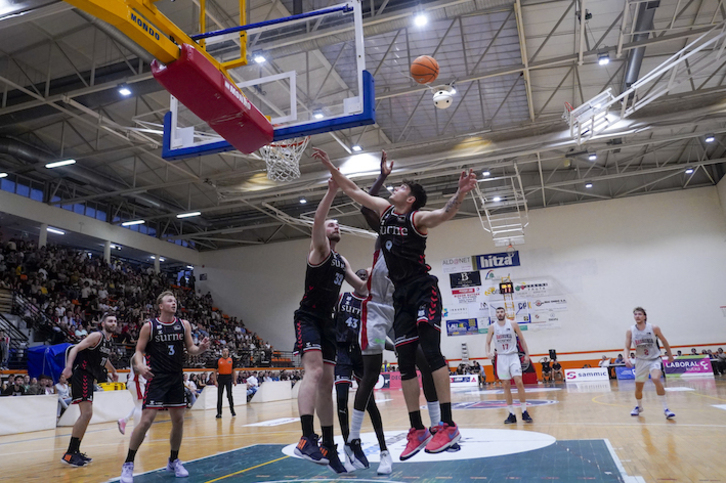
x,y
315,333
82,383
349,363
165,391
416,302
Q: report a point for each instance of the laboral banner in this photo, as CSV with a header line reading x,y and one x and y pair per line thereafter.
x,y
689,366
586,375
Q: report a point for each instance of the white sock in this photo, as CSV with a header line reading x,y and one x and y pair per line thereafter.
x,y
523,406
355,424
511,409
434,412
663,401
639,403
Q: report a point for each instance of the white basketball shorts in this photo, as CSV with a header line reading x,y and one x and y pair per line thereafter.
x,y
376,321
508,366
643,368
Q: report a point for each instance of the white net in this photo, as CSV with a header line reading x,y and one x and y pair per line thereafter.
x,y
283,158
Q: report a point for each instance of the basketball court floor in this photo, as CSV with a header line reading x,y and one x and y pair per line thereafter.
x,y
580,433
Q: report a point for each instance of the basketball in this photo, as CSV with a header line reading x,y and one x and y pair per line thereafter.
x,y
425,69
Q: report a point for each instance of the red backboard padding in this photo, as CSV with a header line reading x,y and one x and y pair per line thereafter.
x,y
205,91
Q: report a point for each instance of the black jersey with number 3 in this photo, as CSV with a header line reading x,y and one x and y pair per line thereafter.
x,y
347,318
93,359
165,349
404,247
322,286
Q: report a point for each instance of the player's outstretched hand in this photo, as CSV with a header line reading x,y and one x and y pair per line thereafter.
x,y
322,156
467,181
204,345
385,167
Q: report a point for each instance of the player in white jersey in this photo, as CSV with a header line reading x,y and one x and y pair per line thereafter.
x,y
136,384
505,334
647,359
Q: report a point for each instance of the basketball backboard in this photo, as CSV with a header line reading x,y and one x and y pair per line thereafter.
x,y
306,74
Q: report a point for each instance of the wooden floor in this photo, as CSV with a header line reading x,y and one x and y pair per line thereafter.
x,y
690,448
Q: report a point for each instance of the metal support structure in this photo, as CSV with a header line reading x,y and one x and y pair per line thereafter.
x,y
502,207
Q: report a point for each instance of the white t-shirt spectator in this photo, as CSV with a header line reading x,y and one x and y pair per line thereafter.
x,y
85,292
60,311
252,381
81,332
103,293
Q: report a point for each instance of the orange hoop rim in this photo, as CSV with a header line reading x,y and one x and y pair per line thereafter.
x,y
568,106
285,144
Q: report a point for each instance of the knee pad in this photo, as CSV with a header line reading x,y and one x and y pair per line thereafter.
x,y
430,340
407,361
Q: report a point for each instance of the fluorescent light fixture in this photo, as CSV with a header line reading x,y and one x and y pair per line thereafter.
x,y
58,164
303,200
161,259
485,173
3,175
190,267
497,199
259,58
709,138
357,148
132,223
588,185
420,20
56,231
689,171
592,156
390,188
124,90
603,59
318,114
189,215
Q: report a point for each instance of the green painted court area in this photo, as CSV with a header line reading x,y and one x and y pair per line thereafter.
x,y
563,461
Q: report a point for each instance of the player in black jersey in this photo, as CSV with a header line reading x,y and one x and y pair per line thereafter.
x,y
85,364
315,334
350,364
416,296
159,358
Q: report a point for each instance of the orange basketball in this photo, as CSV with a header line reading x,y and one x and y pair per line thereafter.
x,y
425,69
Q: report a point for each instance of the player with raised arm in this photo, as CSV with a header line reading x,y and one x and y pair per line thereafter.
x,y
84,366
159,358
506,334
315,334
645,337
416,297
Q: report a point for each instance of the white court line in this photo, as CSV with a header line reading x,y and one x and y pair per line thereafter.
x,y
626,478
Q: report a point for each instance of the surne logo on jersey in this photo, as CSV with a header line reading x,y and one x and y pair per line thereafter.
x,y
168,337
394,230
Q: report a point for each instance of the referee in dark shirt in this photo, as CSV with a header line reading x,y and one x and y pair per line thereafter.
x,y
225,379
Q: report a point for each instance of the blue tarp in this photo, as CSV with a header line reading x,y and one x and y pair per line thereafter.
x,y
48,360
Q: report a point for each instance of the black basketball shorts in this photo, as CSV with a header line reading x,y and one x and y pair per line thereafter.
x,y
82,383
165,391
349,364
416,302
313,333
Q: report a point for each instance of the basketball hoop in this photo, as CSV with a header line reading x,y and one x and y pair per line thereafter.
x,y
568,110
283,158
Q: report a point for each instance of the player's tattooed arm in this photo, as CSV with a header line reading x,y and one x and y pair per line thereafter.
x,y
453,204
431,219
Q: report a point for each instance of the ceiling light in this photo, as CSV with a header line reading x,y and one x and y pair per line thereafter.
x,y
318,114
485,173
162,259
189,215
259,58
124,90
303,200
3,175
603,59
496,199
588,185
689,171
357,148
131,223
709,138
190,267
58,164
592,156
420,20
390,188
56,231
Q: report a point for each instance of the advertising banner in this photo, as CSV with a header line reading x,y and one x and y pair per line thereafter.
x,y
465,380
624,373
465,279
458,264
497,260
688,366
461,327
586,375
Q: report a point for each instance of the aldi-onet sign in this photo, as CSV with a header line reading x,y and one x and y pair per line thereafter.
x,y
497,260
